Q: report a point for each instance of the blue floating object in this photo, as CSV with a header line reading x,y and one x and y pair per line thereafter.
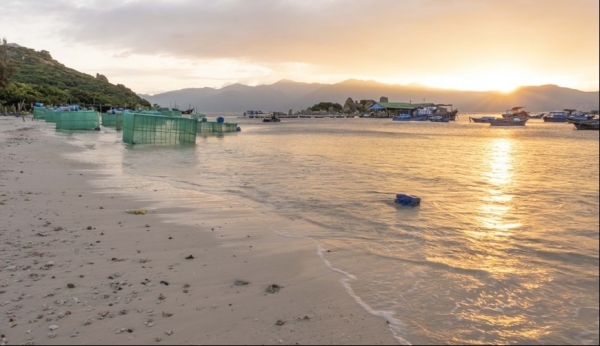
x,y
220,120
238,129
204,120
409,200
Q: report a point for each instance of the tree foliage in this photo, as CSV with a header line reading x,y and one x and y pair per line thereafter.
x,y
7,67
39,78
324,106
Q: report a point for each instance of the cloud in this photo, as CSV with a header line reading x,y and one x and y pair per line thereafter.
x,y
378,38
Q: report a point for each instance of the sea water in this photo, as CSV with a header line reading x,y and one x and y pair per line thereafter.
x,y
503,248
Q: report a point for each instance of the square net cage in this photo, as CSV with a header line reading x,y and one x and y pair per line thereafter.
x,y
206,127
113,120
77,120
39,112
198,116
50,115
157,129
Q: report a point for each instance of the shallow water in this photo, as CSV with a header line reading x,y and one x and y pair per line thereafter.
x,y
503,249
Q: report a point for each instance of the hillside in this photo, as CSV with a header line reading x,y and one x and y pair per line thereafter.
x,y
285,95
40,78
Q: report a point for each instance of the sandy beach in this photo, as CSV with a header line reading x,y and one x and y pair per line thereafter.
x,y
78,266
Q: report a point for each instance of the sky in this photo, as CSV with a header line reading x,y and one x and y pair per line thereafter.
x,y
153,46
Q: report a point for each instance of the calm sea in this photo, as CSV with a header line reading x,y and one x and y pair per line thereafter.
x,y
503,249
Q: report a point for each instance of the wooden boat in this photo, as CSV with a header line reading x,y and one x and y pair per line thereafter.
x,y
408,117
439,119
564,116
592,124
271,119
481,119
515,112
507,122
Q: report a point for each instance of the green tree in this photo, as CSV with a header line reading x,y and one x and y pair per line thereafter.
x,y
7,67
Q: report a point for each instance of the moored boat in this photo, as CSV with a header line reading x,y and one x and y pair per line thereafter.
x,y
481,119
439,118
515,112
408,117
508,122
591,124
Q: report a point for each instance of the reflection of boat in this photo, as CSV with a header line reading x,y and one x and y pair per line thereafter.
x,y
591,124
515,112
508,122
481,120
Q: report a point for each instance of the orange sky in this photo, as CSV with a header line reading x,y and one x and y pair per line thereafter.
x,y
154,46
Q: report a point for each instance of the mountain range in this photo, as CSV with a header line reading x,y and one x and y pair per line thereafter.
x,y
287,94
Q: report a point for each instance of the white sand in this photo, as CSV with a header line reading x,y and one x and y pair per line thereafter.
x,y
77,269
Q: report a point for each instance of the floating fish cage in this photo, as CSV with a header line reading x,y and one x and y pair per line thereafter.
x,y
198,116
113,120
163,112
205,127
40,112
77,120
140,128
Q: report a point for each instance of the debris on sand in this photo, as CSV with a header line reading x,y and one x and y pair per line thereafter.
x,y
274,288
136,211
241,282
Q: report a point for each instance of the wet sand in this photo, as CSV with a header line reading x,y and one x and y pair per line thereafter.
x,y
77,268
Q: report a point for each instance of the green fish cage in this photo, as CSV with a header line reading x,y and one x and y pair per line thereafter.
x,y
140,128
77,120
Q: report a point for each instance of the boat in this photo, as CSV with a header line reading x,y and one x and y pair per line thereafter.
x,y
516,112
591,124
565,115
508,122
451,115
439,118
408,117
537,116
271,119
481,119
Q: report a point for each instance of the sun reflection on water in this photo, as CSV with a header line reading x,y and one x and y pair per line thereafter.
x,y
497,204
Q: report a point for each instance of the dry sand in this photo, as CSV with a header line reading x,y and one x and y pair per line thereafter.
x,y
76,268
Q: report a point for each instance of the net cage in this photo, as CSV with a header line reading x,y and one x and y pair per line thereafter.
x,y
198,116
164,112
205,127
157,129
113,120
40,112
50,115
77,120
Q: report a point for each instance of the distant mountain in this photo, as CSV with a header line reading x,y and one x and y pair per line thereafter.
x,y
40,78
286,94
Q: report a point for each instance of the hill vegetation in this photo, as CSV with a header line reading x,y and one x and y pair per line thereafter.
x,y
31,76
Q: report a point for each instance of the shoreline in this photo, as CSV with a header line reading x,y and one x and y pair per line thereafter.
x,y
70,275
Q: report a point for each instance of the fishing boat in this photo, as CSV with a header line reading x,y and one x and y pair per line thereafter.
x,y
271,119
592,124
566,115
439,118
481,119
408,117
509,122
515,112
537,116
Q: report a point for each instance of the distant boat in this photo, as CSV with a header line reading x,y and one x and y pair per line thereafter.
x,y
271,119
566,115
516,112
537,116
507,122
408,117
591,124
481,119
439,119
